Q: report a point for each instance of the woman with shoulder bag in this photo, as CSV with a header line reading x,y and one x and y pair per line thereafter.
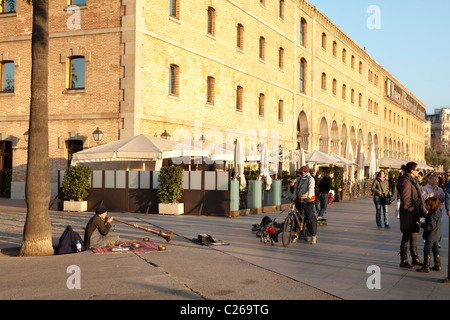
x,y
411,210
380,190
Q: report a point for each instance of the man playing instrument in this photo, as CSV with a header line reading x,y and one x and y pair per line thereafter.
x,y
97,229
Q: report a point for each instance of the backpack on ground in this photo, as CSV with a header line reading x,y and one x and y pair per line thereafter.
x,y
68,242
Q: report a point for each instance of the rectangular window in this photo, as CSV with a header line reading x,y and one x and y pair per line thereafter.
x,y
7,6
240,36
78,2
7,76
280,110
281,9
281,58
77,73
175,8
174,80
261,104
210,88
239,97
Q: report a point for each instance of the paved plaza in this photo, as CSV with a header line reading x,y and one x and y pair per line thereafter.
x,y
333,269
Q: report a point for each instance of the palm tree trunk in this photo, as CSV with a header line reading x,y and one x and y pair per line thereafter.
x,y
37,235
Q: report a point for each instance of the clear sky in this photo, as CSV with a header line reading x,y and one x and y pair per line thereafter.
x,y
412,41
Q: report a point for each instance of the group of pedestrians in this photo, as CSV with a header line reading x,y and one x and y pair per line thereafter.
x,y
420,207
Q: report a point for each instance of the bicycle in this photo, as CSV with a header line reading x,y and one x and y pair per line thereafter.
x,y
295,223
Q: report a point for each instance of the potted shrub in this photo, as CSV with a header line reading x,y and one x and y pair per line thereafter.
x,y
170,190
75,188
337,180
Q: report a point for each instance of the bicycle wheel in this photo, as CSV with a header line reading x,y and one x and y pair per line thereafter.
x,y
288,230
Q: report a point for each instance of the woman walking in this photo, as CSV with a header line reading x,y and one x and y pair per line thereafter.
x,y
411,210
380,190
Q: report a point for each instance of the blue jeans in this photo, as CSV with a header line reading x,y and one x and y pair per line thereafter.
x,y
323,197
381,204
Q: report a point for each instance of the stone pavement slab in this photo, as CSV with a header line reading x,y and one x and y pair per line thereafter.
x,y
185,271
338,264
334,268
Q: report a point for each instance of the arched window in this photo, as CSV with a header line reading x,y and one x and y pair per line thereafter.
x,y
344,92
262,48
240,36
334,86
303,66
334,48
261,104
211,21
344,55
303,30
324,41
324,81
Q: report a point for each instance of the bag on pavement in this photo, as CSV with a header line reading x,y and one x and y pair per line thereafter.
x,y
68,242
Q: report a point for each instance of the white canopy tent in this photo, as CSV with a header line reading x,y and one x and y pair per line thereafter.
x,y
142,147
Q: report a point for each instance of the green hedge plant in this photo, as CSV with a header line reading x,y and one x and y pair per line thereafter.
x,y
77,183
170,188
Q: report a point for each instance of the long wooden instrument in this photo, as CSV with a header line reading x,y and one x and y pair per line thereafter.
x,y
165,235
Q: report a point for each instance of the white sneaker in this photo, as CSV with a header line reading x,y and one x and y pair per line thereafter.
x,y
313,240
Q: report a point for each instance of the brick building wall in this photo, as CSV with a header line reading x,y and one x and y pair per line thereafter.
x,y
130,45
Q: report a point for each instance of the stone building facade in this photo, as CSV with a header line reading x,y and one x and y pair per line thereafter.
x,y
440,129
275,70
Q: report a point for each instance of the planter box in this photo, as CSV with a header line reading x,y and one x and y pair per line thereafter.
x,y
171,208
75,206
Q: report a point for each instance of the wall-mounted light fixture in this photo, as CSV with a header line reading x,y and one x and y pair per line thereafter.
x,y
165,135
26,135
98,135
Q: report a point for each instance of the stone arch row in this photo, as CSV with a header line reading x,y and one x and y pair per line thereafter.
x,y
332,137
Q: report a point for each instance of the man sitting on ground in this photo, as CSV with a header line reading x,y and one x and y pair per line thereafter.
x,y
97,229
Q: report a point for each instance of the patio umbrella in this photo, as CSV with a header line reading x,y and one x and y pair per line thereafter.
x,y
318,157
221,152
142,147
301,161
373,163
264,167
239,164
360,161
390,163
341,160
349,156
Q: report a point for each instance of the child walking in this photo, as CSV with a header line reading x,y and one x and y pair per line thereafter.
x,y
432,234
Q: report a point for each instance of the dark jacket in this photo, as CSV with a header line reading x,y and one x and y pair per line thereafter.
x,y
410,204
96,223
432,227
326,184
